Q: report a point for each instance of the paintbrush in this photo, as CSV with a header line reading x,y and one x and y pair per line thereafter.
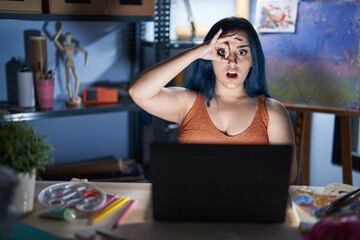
x,y
336,204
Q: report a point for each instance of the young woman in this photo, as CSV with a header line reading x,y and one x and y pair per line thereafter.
x,y
226,100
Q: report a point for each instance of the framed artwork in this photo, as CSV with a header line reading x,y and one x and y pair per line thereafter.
x,y
318,64
276,15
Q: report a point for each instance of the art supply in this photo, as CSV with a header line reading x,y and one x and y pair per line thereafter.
x,y
336,204
59,213
120,202
45,92
111,200
38,51
123,212
25,81
83,196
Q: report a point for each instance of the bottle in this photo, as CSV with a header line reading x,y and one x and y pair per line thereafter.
x,y
26,91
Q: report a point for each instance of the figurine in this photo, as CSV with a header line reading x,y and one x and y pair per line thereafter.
x,y
68,49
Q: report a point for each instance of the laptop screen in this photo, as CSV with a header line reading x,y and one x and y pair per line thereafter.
x,y
219,182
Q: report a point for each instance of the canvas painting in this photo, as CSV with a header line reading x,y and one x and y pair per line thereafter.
x,y
276,15
318,65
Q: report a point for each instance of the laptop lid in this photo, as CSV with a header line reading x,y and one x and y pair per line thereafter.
x,y
219,182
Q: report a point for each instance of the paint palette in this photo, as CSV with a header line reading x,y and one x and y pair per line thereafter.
x,y
313,202
310,201
81,195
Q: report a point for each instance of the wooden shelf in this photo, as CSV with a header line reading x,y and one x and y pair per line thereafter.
x,y
70,17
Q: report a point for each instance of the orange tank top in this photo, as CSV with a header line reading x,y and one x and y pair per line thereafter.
x,y
197,126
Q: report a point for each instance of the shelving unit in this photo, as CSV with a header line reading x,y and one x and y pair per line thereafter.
x,y
161,47
125,103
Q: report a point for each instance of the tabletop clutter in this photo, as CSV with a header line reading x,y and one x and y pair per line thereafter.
x,y
69,201
333,213
334,210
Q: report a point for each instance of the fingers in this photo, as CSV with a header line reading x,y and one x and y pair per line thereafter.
x,y
216,37
229,38
217,43
223,41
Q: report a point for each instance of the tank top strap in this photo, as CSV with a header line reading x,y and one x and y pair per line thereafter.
x,y
262,110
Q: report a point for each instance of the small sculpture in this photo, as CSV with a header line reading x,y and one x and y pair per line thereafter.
x,y
69,50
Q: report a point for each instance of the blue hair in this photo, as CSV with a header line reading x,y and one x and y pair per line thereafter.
x,y
202,73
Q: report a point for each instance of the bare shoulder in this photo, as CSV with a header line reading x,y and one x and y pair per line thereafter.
x,y
280,125
275,107
278,114
187,96
190,97
184,100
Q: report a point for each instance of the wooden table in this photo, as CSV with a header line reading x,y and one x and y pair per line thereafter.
x,y
138,224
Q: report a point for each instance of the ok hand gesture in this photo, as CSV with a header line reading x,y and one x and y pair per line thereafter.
x,y
218,48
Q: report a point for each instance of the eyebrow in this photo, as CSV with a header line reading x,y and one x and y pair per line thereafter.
x,y
243,46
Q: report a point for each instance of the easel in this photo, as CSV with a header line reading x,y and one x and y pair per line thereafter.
x,y
302,129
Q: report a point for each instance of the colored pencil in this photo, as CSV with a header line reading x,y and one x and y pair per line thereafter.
x,y
107,203
120,202
124,211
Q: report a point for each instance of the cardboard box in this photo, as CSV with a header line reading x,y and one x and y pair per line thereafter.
x,y
130,7
22,6
91,7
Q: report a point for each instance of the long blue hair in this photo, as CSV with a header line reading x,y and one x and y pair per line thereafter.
x,y
202,73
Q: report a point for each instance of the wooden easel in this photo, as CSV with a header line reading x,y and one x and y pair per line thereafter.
x,y
302,129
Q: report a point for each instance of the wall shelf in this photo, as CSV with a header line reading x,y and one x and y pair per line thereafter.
x,y
176,44
70,17
61,110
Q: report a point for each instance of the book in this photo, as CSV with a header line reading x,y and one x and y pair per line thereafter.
x,y
101,169
98,165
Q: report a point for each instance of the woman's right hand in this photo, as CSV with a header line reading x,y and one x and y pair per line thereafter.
x,y
211,49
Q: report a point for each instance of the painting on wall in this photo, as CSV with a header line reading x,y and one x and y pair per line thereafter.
x,y
276,15
319,64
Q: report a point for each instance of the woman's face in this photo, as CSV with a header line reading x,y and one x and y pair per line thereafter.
x,y
232,75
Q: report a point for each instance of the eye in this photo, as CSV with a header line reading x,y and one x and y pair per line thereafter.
x,y
221,52
242,52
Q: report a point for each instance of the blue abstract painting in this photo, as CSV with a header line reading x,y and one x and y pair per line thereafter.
x,y
319,64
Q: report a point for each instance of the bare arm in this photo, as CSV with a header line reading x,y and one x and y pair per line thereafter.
x,y
280,130
148,89
149,92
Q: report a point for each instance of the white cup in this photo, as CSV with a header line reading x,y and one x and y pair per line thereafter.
x,y
26,91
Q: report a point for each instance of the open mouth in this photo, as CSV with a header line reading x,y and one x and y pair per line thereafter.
x,y
231,75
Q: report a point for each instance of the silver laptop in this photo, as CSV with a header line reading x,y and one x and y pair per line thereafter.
x,y
219,182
